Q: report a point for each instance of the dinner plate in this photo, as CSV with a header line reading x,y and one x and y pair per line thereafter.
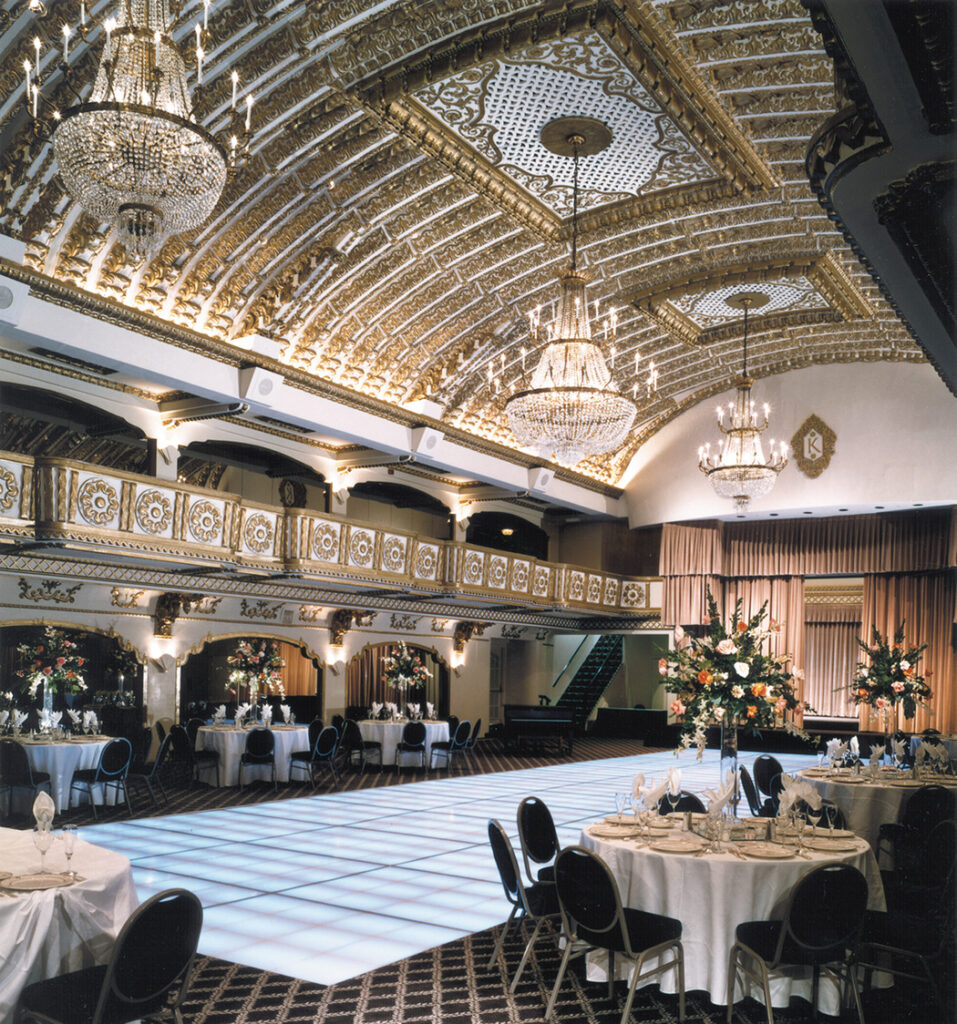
x,y
765,851
627,819
680,815
826,833
4,874
815,772
603,831
34,883
908,783
823,845
850,780
680,844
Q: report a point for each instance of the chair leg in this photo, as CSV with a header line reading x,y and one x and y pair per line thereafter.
x,y
681,982
632,987
500,941
526,955
852,982
732,977
611,974
566,956
815,987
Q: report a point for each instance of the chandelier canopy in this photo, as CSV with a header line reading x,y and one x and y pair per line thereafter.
x,y
571,408
738,470
133,154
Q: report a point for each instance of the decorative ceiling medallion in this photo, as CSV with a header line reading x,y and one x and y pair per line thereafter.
x,y
709,309
813,445
501,106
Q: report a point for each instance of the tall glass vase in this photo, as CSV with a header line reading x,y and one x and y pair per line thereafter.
x,y
729,758
47,697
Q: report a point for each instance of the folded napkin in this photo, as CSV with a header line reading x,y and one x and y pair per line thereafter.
x,y
4,715
638,785
241,713
415,710
836,750
375,709
717,799
75,717
674,780
267,714
49,720
939,750
286,712
90,721
18,718
899,747
877,753
855,747
794,790
219,714
43,810
429,710
652,793
392,708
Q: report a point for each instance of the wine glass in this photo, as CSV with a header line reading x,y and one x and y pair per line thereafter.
x,y
42,840
674,795
621,801
800,823
814,816
68,834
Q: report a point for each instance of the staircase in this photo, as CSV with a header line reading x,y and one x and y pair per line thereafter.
x,y
591,679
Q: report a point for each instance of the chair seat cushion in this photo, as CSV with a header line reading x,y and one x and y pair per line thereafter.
x,y
644,931
442,745
257,759
542,898
301,755
762,937
410,748
70,998
84,775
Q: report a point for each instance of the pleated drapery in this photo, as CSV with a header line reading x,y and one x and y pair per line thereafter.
x,y
365,676
925,604
830,657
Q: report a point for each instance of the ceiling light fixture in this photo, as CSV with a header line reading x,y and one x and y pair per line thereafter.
x,y
738,469
132,153
570,408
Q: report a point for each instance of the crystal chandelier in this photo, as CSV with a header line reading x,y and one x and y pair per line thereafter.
x,y
738,469
132,154
571,408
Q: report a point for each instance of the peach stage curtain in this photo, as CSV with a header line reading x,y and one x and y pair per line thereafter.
x,y
299,674
925,603
690,562
365,676
830,657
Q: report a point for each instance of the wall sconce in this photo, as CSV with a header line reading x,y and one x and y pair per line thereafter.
x,y
335,659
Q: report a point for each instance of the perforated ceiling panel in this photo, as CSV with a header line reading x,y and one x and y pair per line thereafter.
x,y
501,107
709,308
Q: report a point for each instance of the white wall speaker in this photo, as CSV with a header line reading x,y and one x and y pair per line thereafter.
x,y
13,296
425,440
259,386
540,478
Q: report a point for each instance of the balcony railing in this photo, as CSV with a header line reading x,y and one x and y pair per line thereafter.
x,y
85,506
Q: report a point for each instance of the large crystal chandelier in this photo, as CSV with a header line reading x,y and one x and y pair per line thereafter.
x,y
133,154
570,407
738,469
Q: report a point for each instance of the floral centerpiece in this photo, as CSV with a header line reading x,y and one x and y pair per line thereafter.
x,y
890,677
258,665
54,663
403,670
727,677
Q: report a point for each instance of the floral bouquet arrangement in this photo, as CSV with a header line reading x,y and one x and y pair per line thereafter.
x,y
890,677
404,669
257,664
727,677
52,663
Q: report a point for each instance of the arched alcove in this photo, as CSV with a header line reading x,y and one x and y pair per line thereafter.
x,y
204,677
506,532
401,507
365,680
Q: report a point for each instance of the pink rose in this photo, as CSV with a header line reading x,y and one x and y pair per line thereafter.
x,y
897,687
677,708
726,646
881,703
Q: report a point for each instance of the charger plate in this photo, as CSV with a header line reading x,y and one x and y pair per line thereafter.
x,y
680,844
765,851
603,831
35,883
823,845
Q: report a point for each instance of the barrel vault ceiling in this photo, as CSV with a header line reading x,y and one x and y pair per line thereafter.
x,y
398,217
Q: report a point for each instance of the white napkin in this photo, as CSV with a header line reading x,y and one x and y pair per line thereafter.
x,y
877,753
674,780
429,710
652,793
376,708
219,714
638,785
286,712
718,798
75,717
4,715
241,713
836,749
267,714
49,720
43,810
899,747
414,710
794,790
19,717
392,708
855,747
940,751
90,722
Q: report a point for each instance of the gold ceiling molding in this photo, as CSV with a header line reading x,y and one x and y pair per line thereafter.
x,y
837,593
824,272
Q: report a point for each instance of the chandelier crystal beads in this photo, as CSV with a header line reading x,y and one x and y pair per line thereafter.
x,y
571,408
738,470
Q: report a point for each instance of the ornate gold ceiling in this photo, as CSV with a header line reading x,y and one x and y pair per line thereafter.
x,y
398,218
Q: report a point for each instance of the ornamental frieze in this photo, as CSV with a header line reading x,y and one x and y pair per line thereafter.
x,y
48,591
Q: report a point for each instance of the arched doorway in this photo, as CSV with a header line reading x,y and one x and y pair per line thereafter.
x,y
204,679
365,680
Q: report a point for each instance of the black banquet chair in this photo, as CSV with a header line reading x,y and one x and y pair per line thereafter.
x,y
323,753
758,808
765,767
538,839
473,740
457,741
593,918
147,973
686,802
150,773
260,750
315,727
110,773
359,751
530,903
819,930
16,772
412,742
185,757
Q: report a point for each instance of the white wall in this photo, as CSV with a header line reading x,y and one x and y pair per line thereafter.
x,y
896,426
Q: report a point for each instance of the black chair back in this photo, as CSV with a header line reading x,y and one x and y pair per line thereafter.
x,y
152,957
351,736
588,895
413,735
476,734
926,808
832,816
160,730
536,832
192,729
315,727
326,743
260,745
338,722
765,768
179,741
505,862
825,911
115,759
460,735
686,802
453,724
14,763
750,793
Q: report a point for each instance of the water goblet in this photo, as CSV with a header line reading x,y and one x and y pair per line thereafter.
x,y
673,797
42,840
800,823
621,800
68,834
814,816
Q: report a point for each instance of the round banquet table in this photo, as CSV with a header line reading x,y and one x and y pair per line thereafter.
x,y
61,759
950,742
711,895
389,734
47,933
229,742
865,802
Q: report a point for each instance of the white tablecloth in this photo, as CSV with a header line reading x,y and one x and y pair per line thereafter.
x,y
61,760
950,742
230,742
868,804
43,934
389,734
711,896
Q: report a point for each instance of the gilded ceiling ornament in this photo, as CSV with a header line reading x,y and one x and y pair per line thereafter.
x,y
205,521
402,622
98,501
120,597
48,590
813,445
9,489
266,610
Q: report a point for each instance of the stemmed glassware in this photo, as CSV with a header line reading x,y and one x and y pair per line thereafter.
x,y
42,840
814,815
68,835
621,802
674,795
